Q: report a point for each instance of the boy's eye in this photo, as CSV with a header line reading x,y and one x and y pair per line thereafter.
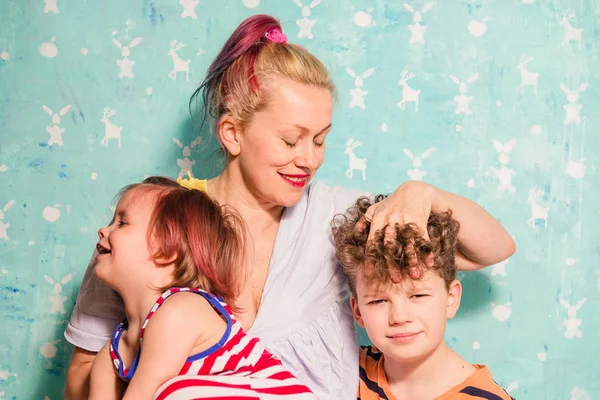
x,y
419,296
374,302
121,223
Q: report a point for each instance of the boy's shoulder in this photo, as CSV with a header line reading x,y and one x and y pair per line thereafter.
x,y
369,356
373,383
480,384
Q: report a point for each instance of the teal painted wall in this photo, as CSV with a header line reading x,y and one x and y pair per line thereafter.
x,y
502,108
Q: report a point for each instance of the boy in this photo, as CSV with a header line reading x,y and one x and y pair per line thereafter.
x,y
403,291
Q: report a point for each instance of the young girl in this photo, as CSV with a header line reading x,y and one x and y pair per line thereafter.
x,y
170,241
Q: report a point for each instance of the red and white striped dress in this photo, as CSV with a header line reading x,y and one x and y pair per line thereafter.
x,y
237,367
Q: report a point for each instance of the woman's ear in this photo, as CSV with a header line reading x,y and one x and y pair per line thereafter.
x,y
454,296
228,132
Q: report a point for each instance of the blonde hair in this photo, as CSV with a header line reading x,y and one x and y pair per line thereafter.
x,y
236,80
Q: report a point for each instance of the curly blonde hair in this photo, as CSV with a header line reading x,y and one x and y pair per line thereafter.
x,y
388,259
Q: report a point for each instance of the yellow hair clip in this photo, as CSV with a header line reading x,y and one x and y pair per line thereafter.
x,y
192,183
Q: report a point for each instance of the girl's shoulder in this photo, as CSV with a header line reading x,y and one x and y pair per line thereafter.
x,y
191,310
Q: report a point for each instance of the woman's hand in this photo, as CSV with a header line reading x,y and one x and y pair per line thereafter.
x,y
482,240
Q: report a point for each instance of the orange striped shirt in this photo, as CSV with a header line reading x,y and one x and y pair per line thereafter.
x,y
373,383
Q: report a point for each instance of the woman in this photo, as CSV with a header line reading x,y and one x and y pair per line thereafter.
x,y
271,103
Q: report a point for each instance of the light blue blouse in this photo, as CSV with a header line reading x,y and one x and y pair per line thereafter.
x,y
304,316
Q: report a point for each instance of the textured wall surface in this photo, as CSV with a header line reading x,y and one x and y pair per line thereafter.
x,y
495,100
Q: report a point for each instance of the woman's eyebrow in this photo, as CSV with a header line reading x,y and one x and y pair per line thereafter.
x,y
304,129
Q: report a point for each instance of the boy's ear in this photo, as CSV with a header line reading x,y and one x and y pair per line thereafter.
x,y
454,296
356,311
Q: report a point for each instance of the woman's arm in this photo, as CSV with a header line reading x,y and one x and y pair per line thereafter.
x,y
482,239
104,382
77,386
184,323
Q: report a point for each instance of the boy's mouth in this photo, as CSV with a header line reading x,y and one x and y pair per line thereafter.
x,y
102,250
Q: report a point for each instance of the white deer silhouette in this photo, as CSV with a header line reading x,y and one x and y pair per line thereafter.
x,y
186,164
463,101
571,34
537,212
179,65
416,174
111,131
572,323
55,130
4,226
358,95
57,301
527,78
125,64
573,108
416,29
408,94
355,163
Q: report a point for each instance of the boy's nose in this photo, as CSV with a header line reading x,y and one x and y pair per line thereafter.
x,y
400,314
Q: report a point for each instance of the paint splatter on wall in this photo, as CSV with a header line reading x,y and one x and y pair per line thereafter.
x,y
493,100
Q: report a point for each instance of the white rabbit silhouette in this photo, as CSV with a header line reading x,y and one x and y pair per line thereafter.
x,y
50,6
417,174
189,8
579,394
537,212
572,323
576,169
354,163
186,164
56,131
125,64
4,226
500,268
358,95
573,108
305,24
504,173
417,30
56,300
462,100
504,150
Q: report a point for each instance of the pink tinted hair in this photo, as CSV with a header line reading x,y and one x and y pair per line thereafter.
x,y
235,81
205,241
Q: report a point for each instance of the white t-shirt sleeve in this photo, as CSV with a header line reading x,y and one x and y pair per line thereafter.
x,y
98,310
343,199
